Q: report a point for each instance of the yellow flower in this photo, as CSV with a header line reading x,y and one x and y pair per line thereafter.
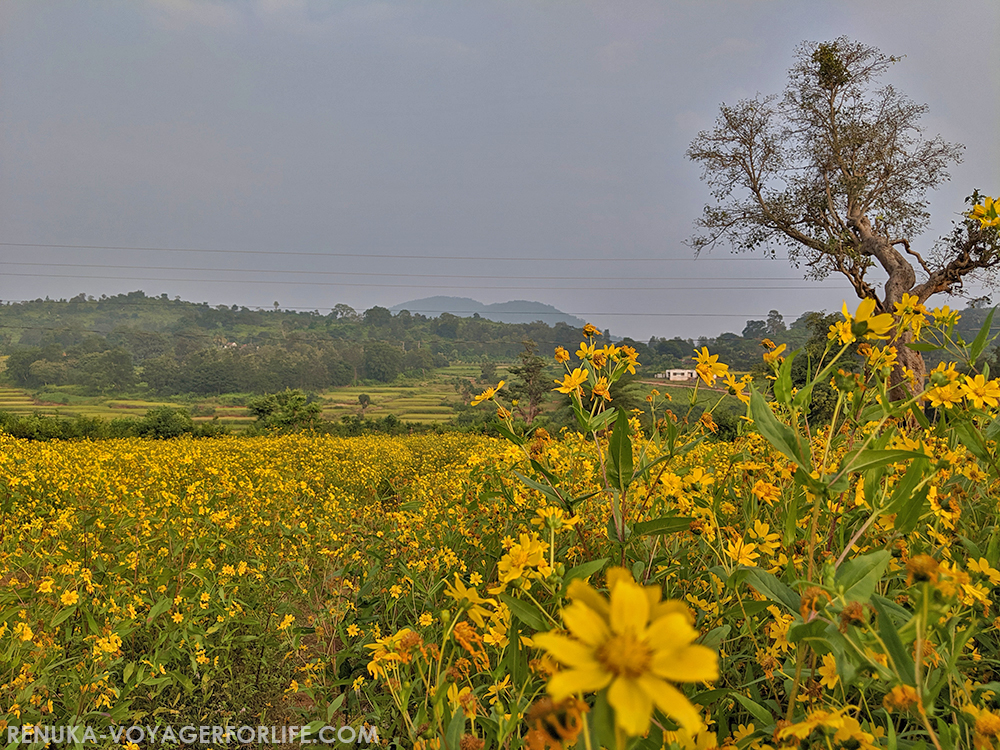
x,y
22,631
774,355
742,553
466,596
911,313
986,213
591,330
529,552
879,359
561,355
286,621
426,619
945,316
69,598
45,587
829,672
863,323
634,646
463,699
709,368
586,351
601,389
816,719
177,617
841,331
572,382
945,395
487,394
493,693
353,630
980,392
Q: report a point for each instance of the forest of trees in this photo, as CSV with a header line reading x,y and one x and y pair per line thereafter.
x,y
132,342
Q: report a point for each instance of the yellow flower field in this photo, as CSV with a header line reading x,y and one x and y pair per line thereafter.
x,y
810,584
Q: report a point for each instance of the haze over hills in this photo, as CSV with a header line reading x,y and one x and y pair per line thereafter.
x,y
515,311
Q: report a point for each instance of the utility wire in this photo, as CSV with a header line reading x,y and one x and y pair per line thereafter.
x,y
312,272
487,258
411,286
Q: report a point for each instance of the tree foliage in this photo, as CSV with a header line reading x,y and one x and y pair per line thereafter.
x,y
836,170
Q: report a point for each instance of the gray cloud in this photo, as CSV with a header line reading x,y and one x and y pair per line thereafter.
x,y
484,130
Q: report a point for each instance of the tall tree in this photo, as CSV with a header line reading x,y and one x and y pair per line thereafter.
x,y
836,170
529,386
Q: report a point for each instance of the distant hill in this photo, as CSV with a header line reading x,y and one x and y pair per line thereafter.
x,y
515,311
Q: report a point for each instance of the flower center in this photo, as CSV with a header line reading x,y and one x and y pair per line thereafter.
x,y
625,655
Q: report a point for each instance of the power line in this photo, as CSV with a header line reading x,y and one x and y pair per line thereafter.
x,y
411,286
374,273
489,258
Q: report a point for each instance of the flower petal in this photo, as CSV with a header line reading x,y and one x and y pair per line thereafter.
x,y
629,608
633,705
691,664
571,681
584,592
566,651
670,633
586,624
865,309
672,702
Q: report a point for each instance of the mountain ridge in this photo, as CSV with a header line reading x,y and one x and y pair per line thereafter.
x,y
512,311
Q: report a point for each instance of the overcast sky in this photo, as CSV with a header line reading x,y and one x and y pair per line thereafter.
x,y
525,144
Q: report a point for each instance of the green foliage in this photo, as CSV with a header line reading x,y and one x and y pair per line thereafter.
x,y
289,410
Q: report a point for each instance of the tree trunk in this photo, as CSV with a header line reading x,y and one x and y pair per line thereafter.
x,y
902,279
906,357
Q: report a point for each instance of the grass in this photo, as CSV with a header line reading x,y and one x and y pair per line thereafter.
x,y
428,399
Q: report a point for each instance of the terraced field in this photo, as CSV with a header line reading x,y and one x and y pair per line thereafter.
x,y
17,401
428,400
425,401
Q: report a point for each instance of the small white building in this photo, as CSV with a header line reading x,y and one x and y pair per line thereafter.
x,y
677,375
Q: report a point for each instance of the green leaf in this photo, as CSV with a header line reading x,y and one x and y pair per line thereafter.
x,y
982,338
602,721
861,575
453,735
919,415
545,489
553,479
777,434
714,638
870,459
601,420
756,710
907,485
807,631
783,384
971,439
792,517
620,454
91,622
916,506
890,637
766,584
525,612
334,707
663,525
64,614
515,439
585,570
159,608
